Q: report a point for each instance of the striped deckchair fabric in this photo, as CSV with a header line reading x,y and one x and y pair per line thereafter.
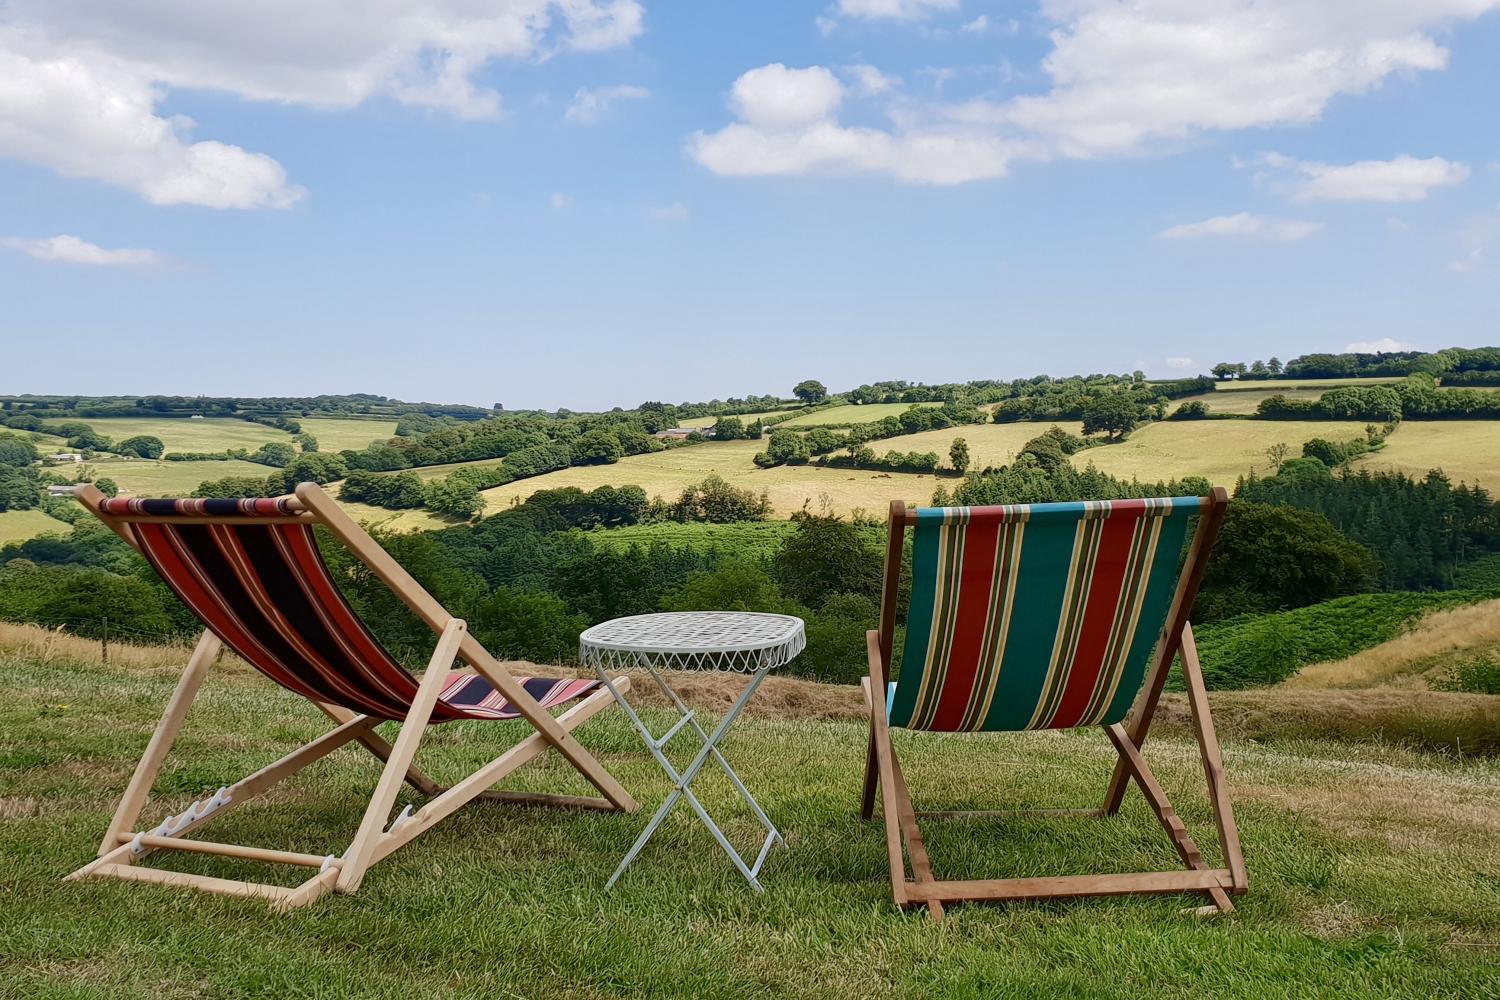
x,y
1045,616
252,572
1035,616
264,589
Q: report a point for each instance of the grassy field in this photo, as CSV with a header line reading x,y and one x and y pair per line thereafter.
x,y
338,433
751,539
989,444
140,477
1467,450
1303,383
1221,450
19,525
665,473
842,416
746,417
204,434
1243,400
1372,868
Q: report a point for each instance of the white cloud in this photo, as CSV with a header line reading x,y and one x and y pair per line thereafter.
x,y
80,80
1404,178
978,26
787,126
1382,346
1469,262
894,10
1397,225
1181,364
1124,79
72,250
870,82
588,106
1243,225
675,212
560,201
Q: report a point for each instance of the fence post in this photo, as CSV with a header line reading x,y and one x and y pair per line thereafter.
x,y
104,642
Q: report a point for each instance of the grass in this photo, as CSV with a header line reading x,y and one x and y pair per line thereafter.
x,y
1243,400
203,434
666,473
140,477
750,539
1220,450
746,417
1304,383
1467,450
852,413
1372,868
1421,658
339,433
19,525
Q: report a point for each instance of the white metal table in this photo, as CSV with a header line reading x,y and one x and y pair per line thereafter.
x,y
744,642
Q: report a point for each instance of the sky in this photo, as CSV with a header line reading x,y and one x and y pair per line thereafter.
x,y
591,203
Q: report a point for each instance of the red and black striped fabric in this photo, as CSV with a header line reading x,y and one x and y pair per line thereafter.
x,y
266,592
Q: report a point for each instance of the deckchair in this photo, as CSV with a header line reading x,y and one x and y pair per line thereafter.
x,y
252,572
1046,616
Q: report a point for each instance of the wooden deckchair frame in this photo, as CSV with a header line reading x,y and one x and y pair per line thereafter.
x,y
883,770
373,841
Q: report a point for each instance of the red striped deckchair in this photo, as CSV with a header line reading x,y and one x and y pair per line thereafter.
x,y
1046,616
251,571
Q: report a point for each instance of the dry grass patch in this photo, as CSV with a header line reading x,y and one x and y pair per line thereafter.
x,y
1409,660
1467,450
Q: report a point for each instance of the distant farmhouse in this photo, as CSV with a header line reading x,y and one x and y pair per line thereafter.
x,y
65,456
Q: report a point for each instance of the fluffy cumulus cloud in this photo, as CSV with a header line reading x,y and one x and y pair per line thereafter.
x,y
1121,79
589,105
787,125
80,80
1181,364
1243,225
1405,178
72,250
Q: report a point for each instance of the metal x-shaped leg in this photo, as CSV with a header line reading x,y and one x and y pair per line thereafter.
x,y
681,782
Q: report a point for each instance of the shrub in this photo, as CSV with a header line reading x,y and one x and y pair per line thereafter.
x,y
141,446
827,555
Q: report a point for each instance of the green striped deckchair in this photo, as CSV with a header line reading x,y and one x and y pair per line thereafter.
x,y
1046,616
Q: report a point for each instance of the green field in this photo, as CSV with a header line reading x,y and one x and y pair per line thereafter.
x,y
190,434
746,417
1467,450
843,416
1303,383
1243,400
1372,869
745,539
989,444
19,525
141,477
340,433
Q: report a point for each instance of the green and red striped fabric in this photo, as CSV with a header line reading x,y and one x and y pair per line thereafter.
x,y
1035,616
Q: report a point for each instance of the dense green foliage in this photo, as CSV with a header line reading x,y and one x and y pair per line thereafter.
x,y
1420,530
1256,650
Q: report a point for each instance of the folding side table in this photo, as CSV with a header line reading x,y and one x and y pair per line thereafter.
x,y
743,642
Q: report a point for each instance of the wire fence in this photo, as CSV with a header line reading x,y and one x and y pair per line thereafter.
x,y
104,631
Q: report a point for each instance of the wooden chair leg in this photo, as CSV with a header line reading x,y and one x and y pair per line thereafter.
x,y
1213,763
357,858
921,867
128,811
881,737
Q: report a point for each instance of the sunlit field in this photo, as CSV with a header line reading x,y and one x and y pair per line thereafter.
x,y
339,433
666,473
1254,385
19,525
190,434
142,477
1221,450
1466,450
746,417
989,444
1243,400
851,414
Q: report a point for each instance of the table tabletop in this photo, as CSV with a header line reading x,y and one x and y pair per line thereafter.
x,y
703,640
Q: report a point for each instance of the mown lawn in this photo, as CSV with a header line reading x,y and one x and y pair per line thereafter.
x,y
1373,871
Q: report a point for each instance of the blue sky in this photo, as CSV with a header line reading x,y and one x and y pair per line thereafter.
x,y
597,202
